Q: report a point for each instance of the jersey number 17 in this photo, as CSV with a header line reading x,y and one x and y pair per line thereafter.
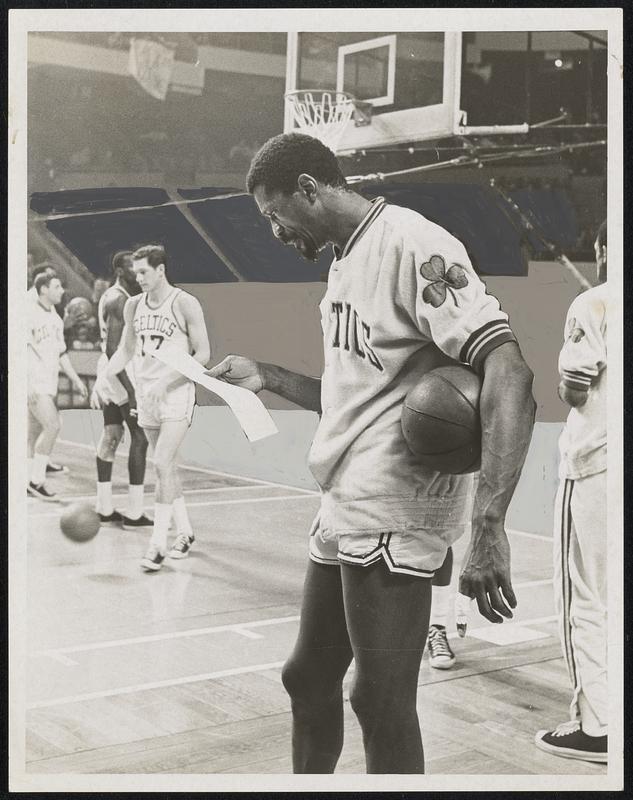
x,y
154,338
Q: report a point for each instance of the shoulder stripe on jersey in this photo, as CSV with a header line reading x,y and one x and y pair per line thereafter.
x,y
377,205
177,294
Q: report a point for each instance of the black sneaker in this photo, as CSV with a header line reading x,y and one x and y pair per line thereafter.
x,y
440,654
41,491
569,740
152,561
54,468
182,546
115,518
132,524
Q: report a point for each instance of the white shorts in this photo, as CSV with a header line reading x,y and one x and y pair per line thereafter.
x,y
178,404
411,552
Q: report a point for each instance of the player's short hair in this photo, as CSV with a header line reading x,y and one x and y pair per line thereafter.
x,y
118,259
44,279
39,269
277,164
601,236
154,253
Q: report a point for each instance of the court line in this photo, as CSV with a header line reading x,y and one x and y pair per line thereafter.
x,y
516,532
242,628
200,503
236,627
142,687
203,470
186,492
213,675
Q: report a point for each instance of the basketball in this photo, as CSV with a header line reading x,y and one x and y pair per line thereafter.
x,y
80,522
440,420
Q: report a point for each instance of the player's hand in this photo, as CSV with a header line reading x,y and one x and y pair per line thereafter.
x,y
155,394
239,371
103,389
95,400
81,387
485,574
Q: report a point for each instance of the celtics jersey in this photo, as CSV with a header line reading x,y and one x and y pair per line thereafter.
x,y
153,326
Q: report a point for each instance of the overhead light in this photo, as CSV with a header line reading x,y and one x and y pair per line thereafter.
x,y
558,63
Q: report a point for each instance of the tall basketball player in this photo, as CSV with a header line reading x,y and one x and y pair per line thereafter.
x,y
123,406
165,399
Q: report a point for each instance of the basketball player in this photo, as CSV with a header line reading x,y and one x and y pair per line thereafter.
x,y
161,315
123,406
46,354
402,298
51,467
580,535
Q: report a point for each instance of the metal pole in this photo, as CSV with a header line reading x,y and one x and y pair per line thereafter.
x,y
589,111
528,78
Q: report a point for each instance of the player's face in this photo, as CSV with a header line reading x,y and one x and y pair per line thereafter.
x,y
601,261
55,291
128,274
292,220
146,276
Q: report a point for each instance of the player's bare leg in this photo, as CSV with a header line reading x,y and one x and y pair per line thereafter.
x,y
387,619
43,409
165,443
106,450
136,464
313,675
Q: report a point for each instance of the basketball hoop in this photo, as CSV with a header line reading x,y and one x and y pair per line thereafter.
x,y
325,113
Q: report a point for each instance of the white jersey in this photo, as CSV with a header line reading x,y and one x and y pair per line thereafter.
x,y
583,366
45,346
119,392
402,298
153,327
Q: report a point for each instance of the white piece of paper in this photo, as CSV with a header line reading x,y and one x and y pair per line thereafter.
x,y
251,413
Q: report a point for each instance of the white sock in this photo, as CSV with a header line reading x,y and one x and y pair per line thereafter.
x,y
162,518
135,501
181,516
38,469
440,605
29,467
104,498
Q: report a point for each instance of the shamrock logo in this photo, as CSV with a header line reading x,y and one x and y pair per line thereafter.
x,y
577,332
442,280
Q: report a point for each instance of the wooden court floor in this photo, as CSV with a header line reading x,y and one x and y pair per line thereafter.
x,y
179,671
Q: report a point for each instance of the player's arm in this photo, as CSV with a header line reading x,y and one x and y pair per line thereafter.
x,y
126,349
584,352
67,367
115,324
255,376
507,409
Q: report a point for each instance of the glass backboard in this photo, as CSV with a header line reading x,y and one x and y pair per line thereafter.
x,y
410,79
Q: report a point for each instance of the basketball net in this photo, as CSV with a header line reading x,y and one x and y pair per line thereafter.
x,y
151,64
323,114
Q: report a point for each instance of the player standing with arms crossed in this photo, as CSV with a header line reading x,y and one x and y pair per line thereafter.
x,y
161,315
122,407
46,354
402,298
580,535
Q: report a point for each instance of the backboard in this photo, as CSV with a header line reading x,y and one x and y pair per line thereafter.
x,y
411,80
